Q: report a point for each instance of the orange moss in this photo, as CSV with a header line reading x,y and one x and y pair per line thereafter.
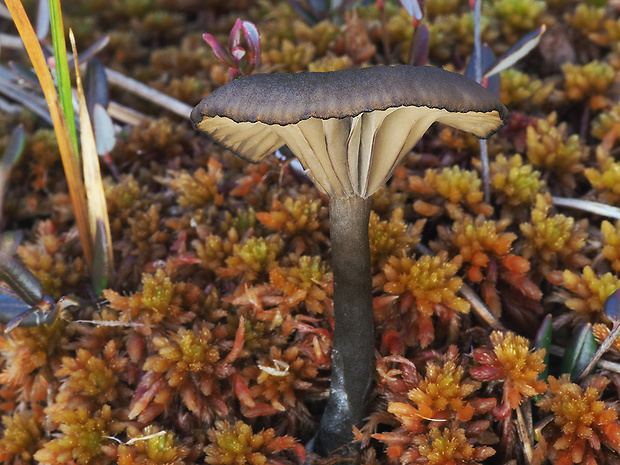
x,y
150,447
589,291
25,354
393,237
477,240
48,259
280,377
550,147
199,189
517,183
238,444
439,396
22,436
606,178
89,378
458,187
590,80
291,217
549,238
512,362
83,437
254,256
430,279
160,300
308,281
429,285
582,423
191,364
451,446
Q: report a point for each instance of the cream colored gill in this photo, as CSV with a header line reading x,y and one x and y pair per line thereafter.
x,y
399,133
370,123
478,123
320,147
295,140
378,144
252,141
345,156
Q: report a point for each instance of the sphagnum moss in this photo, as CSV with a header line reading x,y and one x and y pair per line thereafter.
x,y
173,232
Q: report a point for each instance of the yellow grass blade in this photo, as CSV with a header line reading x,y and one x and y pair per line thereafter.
x,y
97,208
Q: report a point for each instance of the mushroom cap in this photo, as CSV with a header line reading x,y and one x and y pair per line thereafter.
x,y
349,128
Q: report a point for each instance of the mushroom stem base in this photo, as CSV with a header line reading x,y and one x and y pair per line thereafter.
x,y
353,358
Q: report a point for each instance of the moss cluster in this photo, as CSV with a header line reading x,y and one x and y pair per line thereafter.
x,y
213,342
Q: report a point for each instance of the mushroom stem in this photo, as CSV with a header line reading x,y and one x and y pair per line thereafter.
x,y
353,352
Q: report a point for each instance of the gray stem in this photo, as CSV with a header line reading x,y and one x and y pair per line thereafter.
x,y
353,360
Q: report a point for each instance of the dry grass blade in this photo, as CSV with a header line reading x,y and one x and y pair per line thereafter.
x,y
148,93
588,206
32,101
126,114
10,41
9,108
65,145
524,430
4,12
480,308
97,207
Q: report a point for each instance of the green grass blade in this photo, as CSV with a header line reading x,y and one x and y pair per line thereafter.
x,y
62,69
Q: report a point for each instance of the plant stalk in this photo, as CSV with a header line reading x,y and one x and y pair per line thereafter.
x,y
387,52
353,359
484,153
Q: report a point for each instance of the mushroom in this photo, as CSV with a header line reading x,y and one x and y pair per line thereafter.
x,y
349,129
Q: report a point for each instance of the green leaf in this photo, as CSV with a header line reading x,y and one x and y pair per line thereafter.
x,y
14,148
101,261
543,341
579,352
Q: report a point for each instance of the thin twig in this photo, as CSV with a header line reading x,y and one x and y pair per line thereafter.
x,y
110,323
588,206
386,39
126,115
480,308
524,434
34,103
484,158
4,12
11,42
141,438
484,152
478,40
9,108
148,93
